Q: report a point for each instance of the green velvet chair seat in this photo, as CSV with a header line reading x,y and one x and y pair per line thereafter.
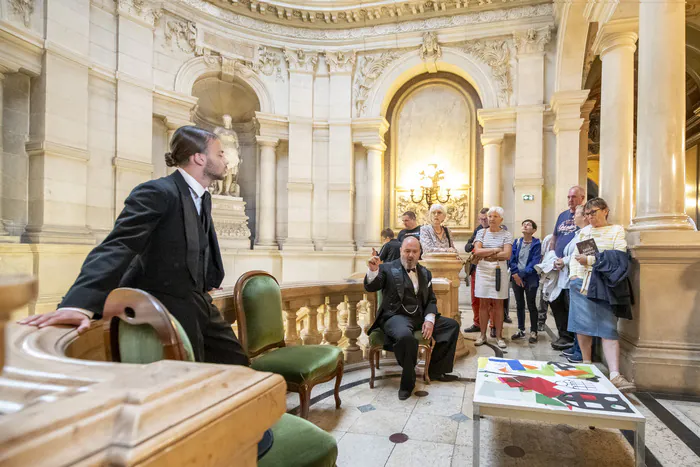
x,y
299,443
378,339
139,343
301,363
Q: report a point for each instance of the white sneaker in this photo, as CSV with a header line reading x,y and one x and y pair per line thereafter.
x,y
480,340
501,343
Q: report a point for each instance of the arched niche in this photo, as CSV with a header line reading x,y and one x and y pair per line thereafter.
x,y
435,113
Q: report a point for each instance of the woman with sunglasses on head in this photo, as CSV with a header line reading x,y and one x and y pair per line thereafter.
x,y
589,318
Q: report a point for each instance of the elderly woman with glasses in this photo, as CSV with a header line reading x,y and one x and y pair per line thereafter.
x,y
493,246
435,236
588,318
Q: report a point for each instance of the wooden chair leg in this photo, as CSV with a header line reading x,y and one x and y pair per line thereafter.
x,y
372,352
338,379
428,354
378,355
304,401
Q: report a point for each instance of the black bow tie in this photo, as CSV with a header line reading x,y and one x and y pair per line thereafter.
x,y
411,270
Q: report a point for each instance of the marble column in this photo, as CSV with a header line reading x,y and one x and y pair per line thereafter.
x,y
660,201
492,169
586,110
268,168
3,231
302,65
616,43
373,224
341,166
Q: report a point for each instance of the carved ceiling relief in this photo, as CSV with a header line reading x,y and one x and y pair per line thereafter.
x,y
300,60
341,61
182,33
143,10
533,40
369,69
23,9
496,54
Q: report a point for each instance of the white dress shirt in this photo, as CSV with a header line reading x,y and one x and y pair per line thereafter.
x,y
196,190
413,275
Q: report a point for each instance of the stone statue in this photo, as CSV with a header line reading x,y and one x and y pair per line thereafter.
x,y
229,141
430,50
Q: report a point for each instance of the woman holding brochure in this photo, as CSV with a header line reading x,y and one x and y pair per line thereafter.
x,y
588,318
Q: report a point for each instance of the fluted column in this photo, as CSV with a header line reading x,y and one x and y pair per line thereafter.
x,y
3,231
492,169
373,225
616,43
268,169
660,201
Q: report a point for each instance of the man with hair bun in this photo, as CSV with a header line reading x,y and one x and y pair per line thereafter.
x,y
164,243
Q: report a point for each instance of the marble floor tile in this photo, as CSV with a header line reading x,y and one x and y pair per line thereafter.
x,y
329,419
380,423
439,388
388,399
360,450
439,405
465,433
338,435
353,397
687,413
433,428
421,454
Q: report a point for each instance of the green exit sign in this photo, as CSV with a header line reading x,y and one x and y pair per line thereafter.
x,y
528,197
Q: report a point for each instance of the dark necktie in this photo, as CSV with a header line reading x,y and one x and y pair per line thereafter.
x,y
206,211
411,270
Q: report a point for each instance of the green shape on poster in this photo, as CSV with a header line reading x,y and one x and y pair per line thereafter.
x,y
541,399
547,370
589,374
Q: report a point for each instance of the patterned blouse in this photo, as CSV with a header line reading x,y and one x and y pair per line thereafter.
x,y
429,240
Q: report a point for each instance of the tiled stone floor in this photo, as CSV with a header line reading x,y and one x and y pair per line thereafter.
x,y
439,425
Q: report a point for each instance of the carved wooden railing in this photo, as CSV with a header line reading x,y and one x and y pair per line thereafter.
x,y
330,313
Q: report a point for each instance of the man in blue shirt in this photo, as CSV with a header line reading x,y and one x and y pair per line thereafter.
x,y
564,231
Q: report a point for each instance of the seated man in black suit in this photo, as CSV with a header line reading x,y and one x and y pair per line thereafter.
x,y
408,303
163,242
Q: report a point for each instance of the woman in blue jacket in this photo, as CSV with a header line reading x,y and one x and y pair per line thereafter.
x,y
527,252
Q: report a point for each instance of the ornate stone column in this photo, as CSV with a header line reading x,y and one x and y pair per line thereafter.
x,y
341,165
616,43
567,107
586,110
3,231
492,169
302,65
529,178
661,118
370,133
268,168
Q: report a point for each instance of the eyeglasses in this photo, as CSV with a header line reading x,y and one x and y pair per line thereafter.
x,y
591,213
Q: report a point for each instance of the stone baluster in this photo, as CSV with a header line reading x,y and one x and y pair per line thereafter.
x,y
332,333
291,337
343,308
311,336
353,352
322,313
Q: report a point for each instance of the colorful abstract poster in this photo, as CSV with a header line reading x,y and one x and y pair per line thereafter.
x,y
549,386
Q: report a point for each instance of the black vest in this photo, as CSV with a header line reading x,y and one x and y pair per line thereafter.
x,y
410,303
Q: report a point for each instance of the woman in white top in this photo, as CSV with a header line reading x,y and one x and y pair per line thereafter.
x,y
436,237
493,246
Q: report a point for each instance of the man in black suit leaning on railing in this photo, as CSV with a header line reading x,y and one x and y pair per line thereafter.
x,y
163,242
408,303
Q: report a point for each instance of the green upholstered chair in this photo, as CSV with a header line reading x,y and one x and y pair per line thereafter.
x,y
258,305
378,341
300,443
140,330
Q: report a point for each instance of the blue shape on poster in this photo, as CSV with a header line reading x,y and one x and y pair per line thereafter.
x,y
515,365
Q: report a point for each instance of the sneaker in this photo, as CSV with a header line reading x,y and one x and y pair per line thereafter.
x,y
540,327
480,340
562,344
622,384
473,328
493,332
518,335
533,338
568,352
501,343
575,359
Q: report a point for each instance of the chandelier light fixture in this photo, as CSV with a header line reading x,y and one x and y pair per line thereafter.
x,y
430,186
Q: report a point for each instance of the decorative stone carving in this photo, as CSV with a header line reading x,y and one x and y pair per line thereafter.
x,y
182,33
229,141
300,60
268,62
496,54
211,57
230,221
341,61
140,9
389,29
533,40
370,68
232,229
457,209
430,50
24,8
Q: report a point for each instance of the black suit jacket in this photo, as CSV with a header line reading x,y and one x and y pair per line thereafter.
x,y
390,281
154,246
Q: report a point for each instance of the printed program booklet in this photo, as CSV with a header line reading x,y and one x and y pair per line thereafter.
x,y
587,247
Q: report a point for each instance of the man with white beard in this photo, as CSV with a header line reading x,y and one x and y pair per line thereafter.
x,y
408,303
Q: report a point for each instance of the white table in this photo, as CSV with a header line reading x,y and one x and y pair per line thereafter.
x,y
552,392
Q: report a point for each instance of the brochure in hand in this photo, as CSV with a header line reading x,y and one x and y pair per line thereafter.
x,y
587,247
